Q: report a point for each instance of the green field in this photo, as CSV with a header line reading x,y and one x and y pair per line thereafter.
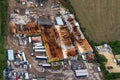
x,y
100,18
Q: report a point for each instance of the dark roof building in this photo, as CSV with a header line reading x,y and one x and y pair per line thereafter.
x,y
45,22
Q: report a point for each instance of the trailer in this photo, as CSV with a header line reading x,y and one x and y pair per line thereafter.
x,y
24,58
30,40
37,44
41,58
38,47
46,65
40,50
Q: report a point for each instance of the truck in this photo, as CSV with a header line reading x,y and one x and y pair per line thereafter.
x,y
98,69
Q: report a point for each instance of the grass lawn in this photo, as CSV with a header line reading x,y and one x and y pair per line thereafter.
x,y
100,18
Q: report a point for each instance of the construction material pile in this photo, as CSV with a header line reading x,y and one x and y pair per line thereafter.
x,y
25,23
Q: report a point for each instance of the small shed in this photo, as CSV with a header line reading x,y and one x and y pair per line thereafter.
x,y
10,55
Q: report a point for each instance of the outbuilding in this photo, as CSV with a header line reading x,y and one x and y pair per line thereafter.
x,y
11,55
81,73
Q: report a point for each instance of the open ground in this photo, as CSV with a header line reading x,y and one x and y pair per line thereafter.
x,y
110,62
100,18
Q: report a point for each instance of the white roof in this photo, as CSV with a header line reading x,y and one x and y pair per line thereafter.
x,y
59,21
38,47
30,40
37,44
10,55
24,58
83,57
82,72
40,50
41,57
26,76
45,64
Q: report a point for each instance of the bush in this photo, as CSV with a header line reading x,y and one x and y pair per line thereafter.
x,y
115,45
102,58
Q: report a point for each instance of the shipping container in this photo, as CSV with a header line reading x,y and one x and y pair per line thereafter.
x,y
37,44
46,65
41,58
24,58
38,47
40,50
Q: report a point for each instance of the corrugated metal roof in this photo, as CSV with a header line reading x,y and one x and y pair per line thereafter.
x,y
10,55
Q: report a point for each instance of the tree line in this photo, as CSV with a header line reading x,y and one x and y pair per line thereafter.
x,y
3,34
